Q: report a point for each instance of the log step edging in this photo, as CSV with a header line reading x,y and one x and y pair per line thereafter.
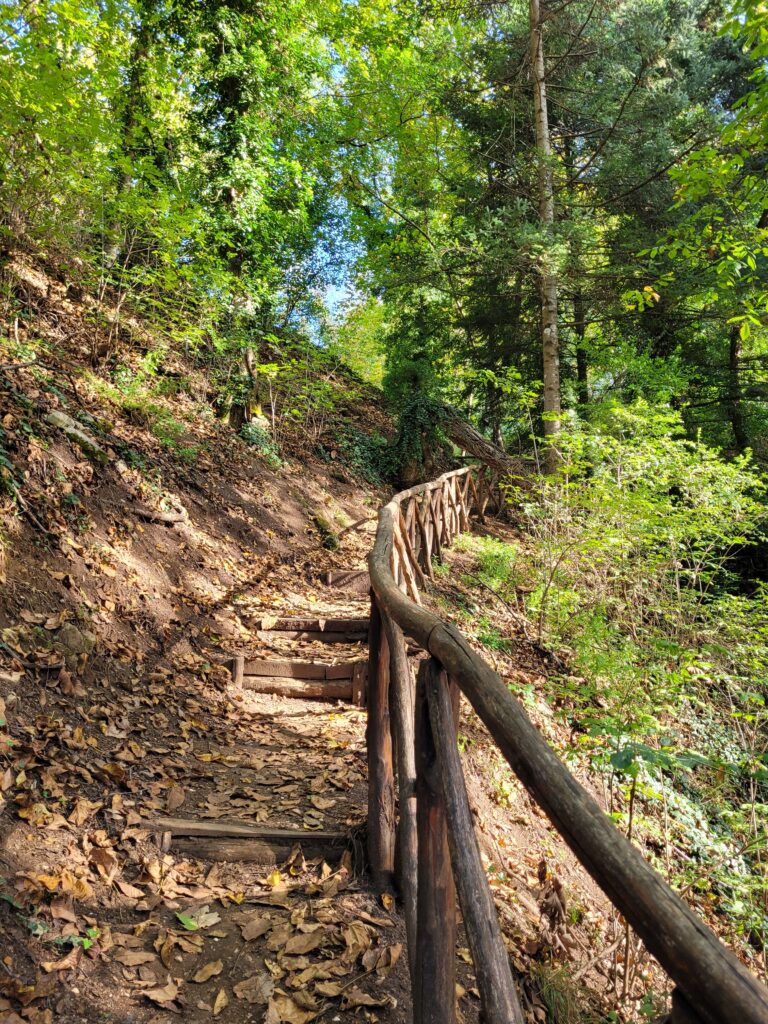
x,y
313,680
320,689
353,581
311,625
219,841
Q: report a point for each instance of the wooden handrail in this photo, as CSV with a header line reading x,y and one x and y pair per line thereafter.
x,y
713,985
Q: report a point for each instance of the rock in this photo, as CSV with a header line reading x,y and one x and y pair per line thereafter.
x,y
73,643
77,433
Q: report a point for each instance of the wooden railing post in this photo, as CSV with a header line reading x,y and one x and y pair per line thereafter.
x,y
681,1011
498,995
378,737
402,696
425,529
434,990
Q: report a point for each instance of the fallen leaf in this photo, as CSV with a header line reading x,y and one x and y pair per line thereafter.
x,y
129,890
322,803
49,882
134,957
175,798
61,910
304,943
208,971
256,989
163,993
355,996
70,961
222,1000
255,927
284,1009
202,918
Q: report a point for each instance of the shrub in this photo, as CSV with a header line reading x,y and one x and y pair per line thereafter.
x,y
260,440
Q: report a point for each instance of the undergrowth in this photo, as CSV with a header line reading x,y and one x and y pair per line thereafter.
x,y
626,570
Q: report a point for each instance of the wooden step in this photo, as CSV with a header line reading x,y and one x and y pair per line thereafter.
x,y
327,631
320,689
302,669
302,625
313,680
234,841
353,581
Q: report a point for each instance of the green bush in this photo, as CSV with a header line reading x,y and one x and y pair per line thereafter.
x,y
260,440
367,456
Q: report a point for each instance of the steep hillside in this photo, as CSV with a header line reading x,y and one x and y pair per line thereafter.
x,y
141,538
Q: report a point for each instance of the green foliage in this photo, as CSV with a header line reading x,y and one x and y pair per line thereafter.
x,y
8,482
143,399
419,437
560,994
358,339
327,533
629,566
260,439
366,455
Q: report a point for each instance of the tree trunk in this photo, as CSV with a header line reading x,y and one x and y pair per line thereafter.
x,y
242,412
734,409
582,365
470,440
548,283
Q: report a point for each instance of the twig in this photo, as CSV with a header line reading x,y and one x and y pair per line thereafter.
x,y
31,516
18,366
578,975
355,980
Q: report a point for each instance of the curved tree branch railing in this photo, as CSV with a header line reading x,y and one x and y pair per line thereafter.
x,y
438,853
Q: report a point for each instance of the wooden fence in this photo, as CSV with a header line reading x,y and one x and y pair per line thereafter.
x,y
425,843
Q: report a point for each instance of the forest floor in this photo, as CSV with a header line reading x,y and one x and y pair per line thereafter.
x,y
130,578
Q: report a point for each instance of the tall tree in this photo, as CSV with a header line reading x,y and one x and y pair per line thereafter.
x,y
550,345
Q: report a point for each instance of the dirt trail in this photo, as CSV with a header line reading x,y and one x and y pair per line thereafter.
x,y
171,932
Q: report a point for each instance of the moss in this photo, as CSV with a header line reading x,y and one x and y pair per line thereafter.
x,y
328,536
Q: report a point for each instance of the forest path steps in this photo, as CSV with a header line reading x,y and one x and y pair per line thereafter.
x,y
338,678
272,826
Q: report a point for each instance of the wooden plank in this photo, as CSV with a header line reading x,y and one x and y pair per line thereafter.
x,y
237,669
438,528
498,995
343,670
314,689
425,554
359,680
359,636
256,851
285,669
434,995
406,566
353,581
402,695
681,1010
300,669
381,782
309,625
236,829
413,561
476,497
461,495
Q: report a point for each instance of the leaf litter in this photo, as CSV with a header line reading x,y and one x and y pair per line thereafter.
x,y
177,935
